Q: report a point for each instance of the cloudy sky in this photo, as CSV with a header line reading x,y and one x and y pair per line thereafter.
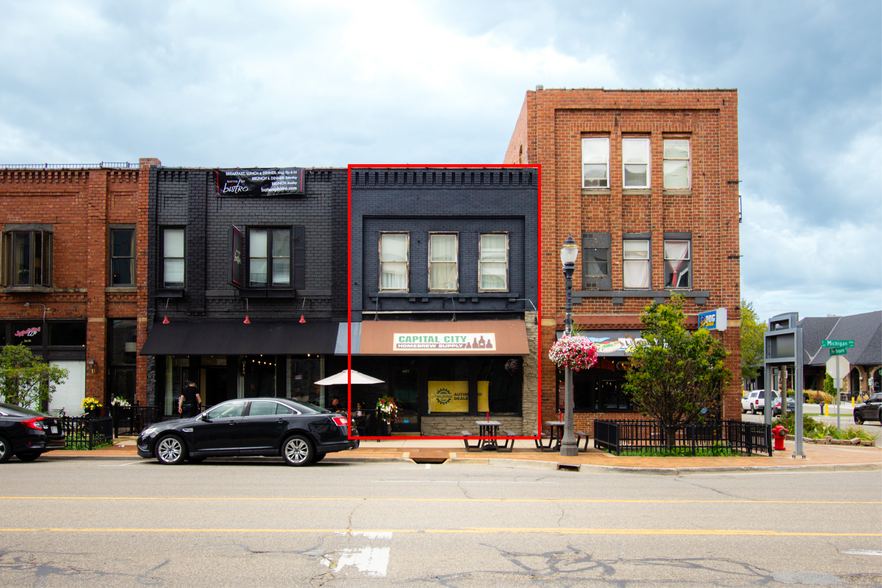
x,y
212,83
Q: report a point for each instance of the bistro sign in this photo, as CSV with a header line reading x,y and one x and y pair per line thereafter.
x,y
265,182
444,341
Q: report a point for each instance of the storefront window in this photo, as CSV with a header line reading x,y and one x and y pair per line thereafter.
x,y
70,334
30,333
448,385
599,389
499,385
257,376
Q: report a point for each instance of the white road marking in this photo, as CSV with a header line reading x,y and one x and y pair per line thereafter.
x,y
371,561
428,466
119,465
863,552
531,482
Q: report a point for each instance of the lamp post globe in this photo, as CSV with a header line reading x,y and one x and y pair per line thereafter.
x,y
569,252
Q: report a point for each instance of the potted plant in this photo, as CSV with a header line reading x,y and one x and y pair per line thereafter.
x,y
574,352
92,406
387,410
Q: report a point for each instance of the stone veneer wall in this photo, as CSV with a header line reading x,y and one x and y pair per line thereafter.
x,y
449,426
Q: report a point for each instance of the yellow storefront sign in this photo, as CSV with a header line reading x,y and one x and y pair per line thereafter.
x,y
454,396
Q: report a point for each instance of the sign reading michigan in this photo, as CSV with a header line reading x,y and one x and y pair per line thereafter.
x,y
444,342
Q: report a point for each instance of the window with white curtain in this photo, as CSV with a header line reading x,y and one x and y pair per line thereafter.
x,y
636,263
635,163
677,164
678,264
394,249
173,258
443,274
493,263
595,162
269,258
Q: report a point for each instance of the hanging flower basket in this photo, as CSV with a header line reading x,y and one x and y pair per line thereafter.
x,y
576,353
387,410
511,366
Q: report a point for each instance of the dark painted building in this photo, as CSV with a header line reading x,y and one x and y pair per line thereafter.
x,y
444,291
246,282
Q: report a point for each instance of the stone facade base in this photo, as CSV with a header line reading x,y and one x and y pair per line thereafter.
x,y
454,426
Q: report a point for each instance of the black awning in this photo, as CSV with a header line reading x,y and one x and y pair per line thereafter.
x,y
237,338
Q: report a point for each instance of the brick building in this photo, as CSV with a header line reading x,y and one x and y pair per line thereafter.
x,y
647,183
444,295
73,274
246,282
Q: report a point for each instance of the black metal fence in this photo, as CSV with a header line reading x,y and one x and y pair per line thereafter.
x,y
86,432
618,436
131,420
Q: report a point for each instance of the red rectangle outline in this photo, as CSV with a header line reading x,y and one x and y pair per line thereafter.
x,y
537,167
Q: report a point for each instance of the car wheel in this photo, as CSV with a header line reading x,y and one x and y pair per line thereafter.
x,y
28,457
170,450
297,451
752,409
858,419
5,450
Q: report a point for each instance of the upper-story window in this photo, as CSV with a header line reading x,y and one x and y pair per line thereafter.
x,y
596,261
677,164
269,258
443,273
636,263
173,258
394,262
678,263
635,163
493,262
122,256
27,257
595,162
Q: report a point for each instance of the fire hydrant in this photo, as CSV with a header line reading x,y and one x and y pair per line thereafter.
x,y
779,433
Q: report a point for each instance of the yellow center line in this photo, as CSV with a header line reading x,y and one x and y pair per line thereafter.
x,y
466,530
392,499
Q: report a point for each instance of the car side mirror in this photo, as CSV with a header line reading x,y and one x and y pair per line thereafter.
x,y
204,417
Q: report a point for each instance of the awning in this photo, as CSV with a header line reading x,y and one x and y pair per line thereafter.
x,y
443,338
611,343
237,338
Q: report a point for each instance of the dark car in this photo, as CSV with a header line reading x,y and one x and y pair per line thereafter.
x,y
776,405
871,410
298,431
27,434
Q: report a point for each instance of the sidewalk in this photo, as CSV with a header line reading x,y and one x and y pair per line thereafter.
x,y
817,457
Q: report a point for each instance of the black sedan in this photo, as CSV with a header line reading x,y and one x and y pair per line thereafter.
x,y
27,434
298,431
871,410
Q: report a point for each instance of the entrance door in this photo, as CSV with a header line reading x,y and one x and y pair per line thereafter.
x,y
405,386
215,386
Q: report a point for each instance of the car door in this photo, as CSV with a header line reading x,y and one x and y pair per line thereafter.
x,y
216,431
263,426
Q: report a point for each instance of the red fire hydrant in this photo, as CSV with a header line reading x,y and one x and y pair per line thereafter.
x,y
779,433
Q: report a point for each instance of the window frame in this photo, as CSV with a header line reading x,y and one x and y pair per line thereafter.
x,y
605,181
647,163
481,261
406,262
687,159
111,256
7,246
455,261
164,257
627,261
672,238
269,257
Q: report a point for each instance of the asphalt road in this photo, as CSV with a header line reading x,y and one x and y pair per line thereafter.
x,y
256,522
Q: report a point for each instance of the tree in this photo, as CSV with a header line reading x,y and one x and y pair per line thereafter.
x,y
26,380
676,376
751,341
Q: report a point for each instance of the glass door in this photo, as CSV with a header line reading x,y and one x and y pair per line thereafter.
x,y
405,387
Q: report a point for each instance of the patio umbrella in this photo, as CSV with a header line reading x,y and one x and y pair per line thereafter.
x,y
341,378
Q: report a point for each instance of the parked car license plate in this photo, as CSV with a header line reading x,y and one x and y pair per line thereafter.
x,y
53,430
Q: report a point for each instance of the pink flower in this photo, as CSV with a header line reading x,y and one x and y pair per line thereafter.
x,y
576,353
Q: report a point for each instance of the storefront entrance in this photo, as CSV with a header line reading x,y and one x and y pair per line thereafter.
x,y
405,388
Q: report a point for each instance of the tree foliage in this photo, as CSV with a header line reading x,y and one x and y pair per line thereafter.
x,y
26,380
752,330
676,376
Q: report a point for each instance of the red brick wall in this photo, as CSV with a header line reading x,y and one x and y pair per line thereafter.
x,y
556,120
80,204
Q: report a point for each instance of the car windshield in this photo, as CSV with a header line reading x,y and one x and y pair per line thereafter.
x,y
20,410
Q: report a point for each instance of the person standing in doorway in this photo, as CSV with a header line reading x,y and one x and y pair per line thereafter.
x,y
190,401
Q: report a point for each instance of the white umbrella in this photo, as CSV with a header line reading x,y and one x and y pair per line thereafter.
x,y
342,378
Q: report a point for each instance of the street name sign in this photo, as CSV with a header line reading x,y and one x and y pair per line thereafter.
x,y
839,351
838,367
837,343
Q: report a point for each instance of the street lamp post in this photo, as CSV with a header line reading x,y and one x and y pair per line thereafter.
x,y
568,254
